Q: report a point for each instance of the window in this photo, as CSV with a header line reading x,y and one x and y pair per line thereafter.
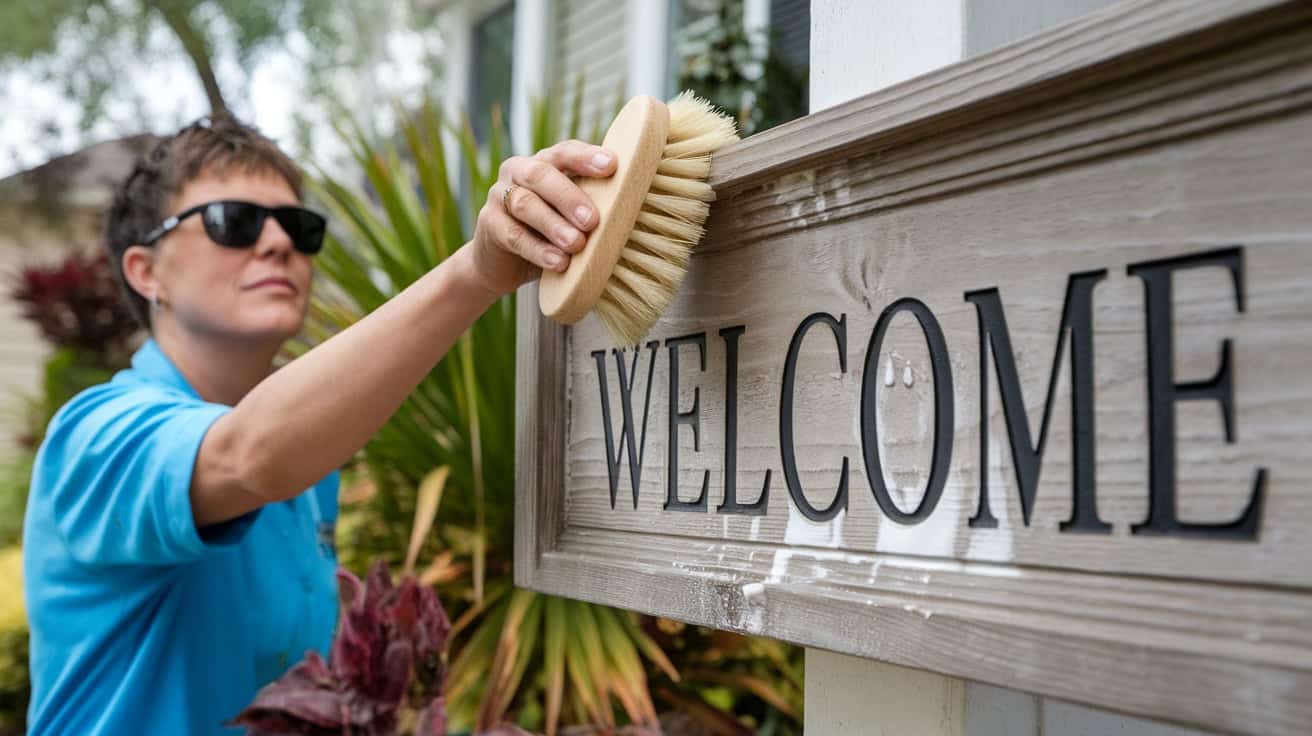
x,y
790,32
492,52
760,79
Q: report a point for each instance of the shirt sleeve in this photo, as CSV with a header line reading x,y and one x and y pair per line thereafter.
x,y
117,467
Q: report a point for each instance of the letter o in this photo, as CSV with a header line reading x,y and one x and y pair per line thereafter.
x,y
943,405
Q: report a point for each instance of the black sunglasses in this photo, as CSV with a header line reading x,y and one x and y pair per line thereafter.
x,y
237,224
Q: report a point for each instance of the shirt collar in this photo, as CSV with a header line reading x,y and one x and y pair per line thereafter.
x,y
151,364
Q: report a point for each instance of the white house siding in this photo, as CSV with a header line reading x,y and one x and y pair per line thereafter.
x,y
589,39
790,30
25,242
83,184
22,353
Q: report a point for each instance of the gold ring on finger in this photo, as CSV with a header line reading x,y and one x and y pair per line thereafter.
x,y
505,197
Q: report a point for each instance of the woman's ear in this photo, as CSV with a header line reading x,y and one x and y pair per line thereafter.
x,y
139,272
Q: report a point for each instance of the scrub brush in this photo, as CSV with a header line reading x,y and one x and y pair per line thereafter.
x,y
652,212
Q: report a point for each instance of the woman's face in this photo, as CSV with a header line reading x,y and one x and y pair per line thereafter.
x,y
259,293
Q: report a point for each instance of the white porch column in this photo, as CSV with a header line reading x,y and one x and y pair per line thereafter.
x,y
850,695
529,70
857,47
648,41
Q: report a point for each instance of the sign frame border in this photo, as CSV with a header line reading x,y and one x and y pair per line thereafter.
x,y
1114,44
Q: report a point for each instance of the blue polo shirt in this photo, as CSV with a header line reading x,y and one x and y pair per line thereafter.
x,y
141,624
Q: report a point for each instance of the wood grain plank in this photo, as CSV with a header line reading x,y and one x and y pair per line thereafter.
x,y
539,442
1159,672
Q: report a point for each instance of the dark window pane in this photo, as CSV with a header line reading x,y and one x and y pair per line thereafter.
x,y
489,84
790,32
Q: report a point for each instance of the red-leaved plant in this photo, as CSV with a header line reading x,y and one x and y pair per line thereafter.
x,y
386,657
76,303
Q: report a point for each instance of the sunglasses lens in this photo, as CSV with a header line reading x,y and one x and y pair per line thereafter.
x,y
304,227
234,224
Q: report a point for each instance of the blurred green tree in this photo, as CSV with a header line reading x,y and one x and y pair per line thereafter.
x,y
96,53
77,35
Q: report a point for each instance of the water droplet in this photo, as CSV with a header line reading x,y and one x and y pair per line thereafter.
x,y
888,371
907,377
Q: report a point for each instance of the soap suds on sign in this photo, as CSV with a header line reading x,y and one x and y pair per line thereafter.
x,y
754,594
752,617
779,566
996,544
933,537
802,531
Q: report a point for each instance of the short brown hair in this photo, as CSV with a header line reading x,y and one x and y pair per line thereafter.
x,y
211,145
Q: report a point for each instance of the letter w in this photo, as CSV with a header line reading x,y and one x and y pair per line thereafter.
x,y
613,452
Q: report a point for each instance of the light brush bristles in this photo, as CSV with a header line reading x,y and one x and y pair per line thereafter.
x,y
669,225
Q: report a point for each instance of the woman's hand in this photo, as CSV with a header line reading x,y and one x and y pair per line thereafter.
x,y
315,413
535,216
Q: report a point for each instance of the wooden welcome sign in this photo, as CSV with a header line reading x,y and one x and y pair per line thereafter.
x,y
1004,372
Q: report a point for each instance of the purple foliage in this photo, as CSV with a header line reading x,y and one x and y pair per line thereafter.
x,y
77,303
387,655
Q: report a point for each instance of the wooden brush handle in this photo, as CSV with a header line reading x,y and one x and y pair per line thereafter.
x,y
637,138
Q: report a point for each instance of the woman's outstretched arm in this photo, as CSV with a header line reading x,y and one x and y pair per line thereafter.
x,y
312,415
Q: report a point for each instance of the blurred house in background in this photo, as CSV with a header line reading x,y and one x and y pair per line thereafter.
x,y
510,53
45,213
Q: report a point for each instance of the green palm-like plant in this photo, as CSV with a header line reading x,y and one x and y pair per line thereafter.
x,y
459,423
517,655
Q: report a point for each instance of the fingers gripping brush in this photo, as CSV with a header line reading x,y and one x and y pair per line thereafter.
x,y
652,212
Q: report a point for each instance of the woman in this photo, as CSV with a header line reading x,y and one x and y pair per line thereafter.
x,y
177,542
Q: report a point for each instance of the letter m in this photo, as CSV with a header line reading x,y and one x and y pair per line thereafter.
x,y
1027,457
